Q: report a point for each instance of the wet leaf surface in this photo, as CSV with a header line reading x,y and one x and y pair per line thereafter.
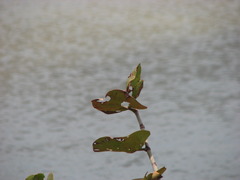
x,y
129,144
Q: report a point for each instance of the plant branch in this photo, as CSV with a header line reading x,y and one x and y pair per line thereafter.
x,y
148,149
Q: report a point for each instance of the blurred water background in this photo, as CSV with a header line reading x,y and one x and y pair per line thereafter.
x,y
56,56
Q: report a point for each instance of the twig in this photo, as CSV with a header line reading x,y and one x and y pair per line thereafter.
x,y
148,149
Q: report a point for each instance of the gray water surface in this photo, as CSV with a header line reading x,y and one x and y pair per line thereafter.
x,y
56,56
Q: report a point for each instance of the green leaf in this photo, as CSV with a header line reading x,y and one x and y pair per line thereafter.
x,y
114,105
39,176
134,82
156,175
50,176
129,144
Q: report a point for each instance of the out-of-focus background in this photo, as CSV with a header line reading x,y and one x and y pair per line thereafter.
x,y
56,56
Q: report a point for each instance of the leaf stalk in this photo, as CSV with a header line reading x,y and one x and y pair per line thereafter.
x,y
148,149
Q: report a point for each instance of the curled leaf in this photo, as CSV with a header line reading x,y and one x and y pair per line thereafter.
x,y
115,104
134,82
50,176
129,144
156,175
39,176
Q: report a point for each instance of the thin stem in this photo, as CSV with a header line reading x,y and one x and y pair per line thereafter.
x,y
148,149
